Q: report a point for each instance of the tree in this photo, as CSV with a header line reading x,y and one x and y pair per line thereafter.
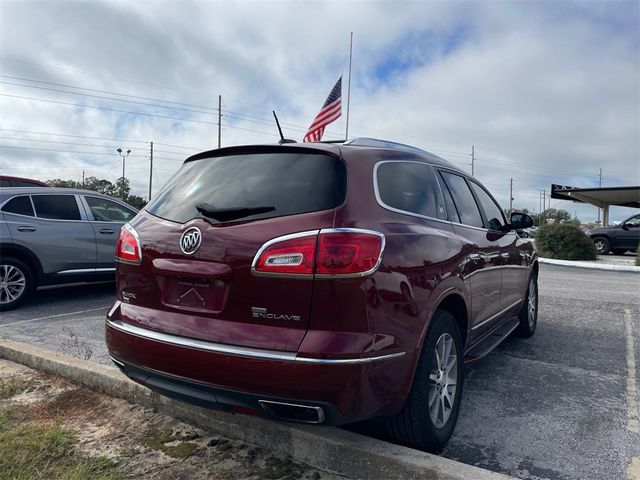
x,y
105,187
559,216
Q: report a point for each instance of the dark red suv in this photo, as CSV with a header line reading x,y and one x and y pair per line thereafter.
x,y
321,283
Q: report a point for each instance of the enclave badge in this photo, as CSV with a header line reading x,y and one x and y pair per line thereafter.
x,y
258,312
190,240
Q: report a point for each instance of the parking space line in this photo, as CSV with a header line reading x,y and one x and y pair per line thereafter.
x,y
633,470
19,322
633,425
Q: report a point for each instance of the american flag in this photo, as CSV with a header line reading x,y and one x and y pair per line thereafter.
x,y
330,112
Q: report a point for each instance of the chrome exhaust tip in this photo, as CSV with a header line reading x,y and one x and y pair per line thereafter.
x,y
292,412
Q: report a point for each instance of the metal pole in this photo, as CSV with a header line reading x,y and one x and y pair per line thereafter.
x,y
219,120
599,186
511,194
122,184
346,132
83,179
150,170
473,158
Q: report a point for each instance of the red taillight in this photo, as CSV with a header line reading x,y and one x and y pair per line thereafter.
x,y
291,256
128,247
348,253
345,252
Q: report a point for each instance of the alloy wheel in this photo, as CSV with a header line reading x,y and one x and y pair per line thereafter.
x,y
532,300
443,379
600,246
12,283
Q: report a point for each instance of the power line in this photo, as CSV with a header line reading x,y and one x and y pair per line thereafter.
x,y
55,150
31,132
107,109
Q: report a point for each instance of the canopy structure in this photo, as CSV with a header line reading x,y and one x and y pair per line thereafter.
x,y
599,197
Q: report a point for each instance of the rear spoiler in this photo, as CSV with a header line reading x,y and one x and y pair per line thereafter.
x,y
312,149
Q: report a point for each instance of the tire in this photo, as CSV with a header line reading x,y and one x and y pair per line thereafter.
x,y
416,426
529,311
602,245
16,283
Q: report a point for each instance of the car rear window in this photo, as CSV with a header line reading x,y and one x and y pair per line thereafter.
x,y
408,186
290,183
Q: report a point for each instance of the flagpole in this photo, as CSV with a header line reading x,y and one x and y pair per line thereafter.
x,y
346,133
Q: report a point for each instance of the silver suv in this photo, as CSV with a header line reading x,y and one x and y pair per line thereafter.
x,y
56,235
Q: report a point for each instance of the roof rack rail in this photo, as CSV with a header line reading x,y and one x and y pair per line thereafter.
x,y
374,142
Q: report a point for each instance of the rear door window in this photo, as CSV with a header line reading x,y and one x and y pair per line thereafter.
x,y
263,185
104,210
466,205
409,187
56,207
19,205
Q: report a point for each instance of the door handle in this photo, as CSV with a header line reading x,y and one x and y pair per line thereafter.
x,y
476,257
505,255
26,228
106,231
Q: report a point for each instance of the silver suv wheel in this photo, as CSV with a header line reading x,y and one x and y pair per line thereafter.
x,y
13,283
443,380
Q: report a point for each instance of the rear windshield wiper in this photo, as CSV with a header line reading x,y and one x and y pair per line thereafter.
x,y
230,213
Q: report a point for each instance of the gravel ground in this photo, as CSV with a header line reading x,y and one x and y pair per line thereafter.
x,y
136,442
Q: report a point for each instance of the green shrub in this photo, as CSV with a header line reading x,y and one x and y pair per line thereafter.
x,y
564,241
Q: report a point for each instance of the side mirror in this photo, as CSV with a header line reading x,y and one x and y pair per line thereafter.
x,y
520,221
625,226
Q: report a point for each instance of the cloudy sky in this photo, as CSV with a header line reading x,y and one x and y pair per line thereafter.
x,y
547,92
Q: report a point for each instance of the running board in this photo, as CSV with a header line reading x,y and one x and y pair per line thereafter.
x,y
492,340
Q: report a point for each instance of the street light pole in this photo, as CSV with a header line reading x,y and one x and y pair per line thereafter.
x,y
123,155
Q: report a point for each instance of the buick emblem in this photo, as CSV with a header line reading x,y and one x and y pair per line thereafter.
x,y
190,240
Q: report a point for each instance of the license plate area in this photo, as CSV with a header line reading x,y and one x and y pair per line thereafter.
x,y
194,295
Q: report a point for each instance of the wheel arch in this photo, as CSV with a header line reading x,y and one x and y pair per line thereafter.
x,y
24,255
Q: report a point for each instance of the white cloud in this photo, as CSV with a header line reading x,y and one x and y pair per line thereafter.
x,y
548,92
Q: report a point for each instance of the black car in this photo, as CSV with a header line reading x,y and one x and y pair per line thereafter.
x,y
619,238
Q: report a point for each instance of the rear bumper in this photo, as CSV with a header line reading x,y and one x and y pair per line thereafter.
x,y
228,377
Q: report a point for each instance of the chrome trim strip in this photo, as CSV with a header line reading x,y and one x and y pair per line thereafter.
x,y
494,316
238,351
87,270
319,411
117,362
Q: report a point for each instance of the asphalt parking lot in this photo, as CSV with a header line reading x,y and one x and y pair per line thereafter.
x,y
558,405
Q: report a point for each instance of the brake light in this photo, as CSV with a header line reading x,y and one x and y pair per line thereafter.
x,y
128,247
325,253
291,256
348,253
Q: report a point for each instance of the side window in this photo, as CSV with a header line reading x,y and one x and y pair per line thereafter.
x,y
19,205
466,205
107,211
491,209
57,207
409,187
633,221
5,182
448,200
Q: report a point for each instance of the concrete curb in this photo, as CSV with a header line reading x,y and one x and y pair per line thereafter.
x,y
326,448
594,266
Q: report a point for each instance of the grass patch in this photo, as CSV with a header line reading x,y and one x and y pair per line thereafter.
x,y
13,386
45,451
159,440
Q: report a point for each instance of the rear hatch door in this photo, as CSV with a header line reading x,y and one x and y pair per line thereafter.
x,y
234,200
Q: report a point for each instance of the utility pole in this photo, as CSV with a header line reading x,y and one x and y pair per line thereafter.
x,y
346,130
150,169
544,201
473,158
219,120
510,195
83,179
